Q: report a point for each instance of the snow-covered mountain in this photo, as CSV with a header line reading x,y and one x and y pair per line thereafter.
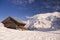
x,y
44,21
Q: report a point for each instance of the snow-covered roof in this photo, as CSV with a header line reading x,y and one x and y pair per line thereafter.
x,y
16,20
20,21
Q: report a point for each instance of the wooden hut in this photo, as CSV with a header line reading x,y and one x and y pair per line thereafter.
x,y
13,23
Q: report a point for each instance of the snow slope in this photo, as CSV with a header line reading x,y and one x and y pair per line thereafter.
x,y
47,21
10,34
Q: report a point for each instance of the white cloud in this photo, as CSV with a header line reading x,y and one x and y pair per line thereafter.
x,y
22,1
28,17
31,1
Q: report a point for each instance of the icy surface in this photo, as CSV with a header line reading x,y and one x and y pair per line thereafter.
x,y
10,34
47,21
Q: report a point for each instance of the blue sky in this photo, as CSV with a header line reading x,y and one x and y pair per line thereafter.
x,y
21,8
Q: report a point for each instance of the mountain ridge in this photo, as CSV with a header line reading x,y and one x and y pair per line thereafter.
x,y
44,21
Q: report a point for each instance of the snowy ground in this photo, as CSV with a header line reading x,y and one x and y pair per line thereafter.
x,y
10,34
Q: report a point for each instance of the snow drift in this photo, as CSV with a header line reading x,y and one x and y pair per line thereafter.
x,y
10,34
44,21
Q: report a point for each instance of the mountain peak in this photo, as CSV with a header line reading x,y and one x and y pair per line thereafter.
x,y
44,21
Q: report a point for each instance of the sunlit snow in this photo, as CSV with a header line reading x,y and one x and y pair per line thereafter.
x,y
10,34
49,22
44,21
